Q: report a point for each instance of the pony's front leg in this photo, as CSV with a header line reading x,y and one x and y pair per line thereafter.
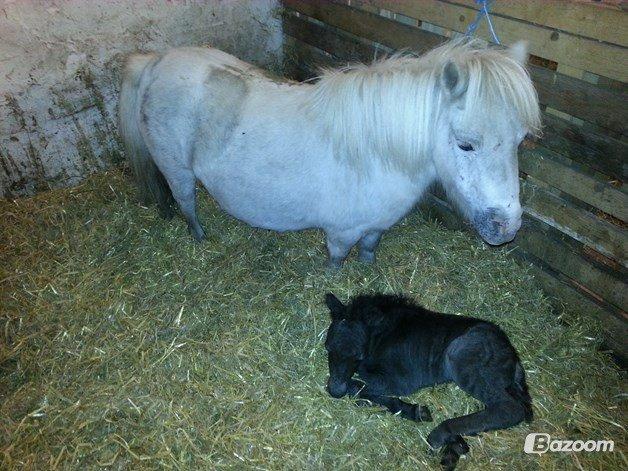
x,y
339,245
368,245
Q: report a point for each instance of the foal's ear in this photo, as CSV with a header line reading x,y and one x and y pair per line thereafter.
x,y
454,80
519,52
336,308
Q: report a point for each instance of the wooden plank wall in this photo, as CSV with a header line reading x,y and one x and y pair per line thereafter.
x,y
575,204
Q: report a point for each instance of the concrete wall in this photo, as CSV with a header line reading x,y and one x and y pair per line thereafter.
x,y
59,67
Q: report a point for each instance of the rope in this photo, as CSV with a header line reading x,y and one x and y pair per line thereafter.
x,y
483,12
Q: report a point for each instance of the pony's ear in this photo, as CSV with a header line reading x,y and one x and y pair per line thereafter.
x,y
519,52
336,308
454,80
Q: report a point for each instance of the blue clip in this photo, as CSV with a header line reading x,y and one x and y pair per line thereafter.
x,y
483,12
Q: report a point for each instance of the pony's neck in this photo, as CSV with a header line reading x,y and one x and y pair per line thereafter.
x,y
384,111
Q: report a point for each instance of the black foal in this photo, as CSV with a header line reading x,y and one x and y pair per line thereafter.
x,y
397,347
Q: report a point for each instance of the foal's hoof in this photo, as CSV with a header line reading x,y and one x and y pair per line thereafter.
x,y
421,414
452,453
449,460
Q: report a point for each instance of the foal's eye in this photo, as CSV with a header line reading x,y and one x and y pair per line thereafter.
x,y
465,146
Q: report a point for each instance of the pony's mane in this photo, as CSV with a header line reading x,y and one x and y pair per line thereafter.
x,y
388,108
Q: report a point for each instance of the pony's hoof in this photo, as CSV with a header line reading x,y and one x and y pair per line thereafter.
x,y
367,257
459,445
334,264
422,414
197,233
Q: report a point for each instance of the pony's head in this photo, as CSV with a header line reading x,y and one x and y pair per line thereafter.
x,y
345,344
487,106
459,112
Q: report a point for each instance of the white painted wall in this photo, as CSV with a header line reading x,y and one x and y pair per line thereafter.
x,y
59,66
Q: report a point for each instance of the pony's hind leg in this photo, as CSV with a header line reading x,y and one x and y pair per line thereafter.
x,y
339,245
182,182
368,245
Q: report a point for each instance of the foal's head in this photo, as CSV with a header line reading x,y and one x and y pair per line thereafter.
x,y
345,344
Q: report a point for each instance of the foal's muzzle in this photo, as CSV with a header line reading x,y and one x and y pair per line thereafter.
x,y
497,226
336,388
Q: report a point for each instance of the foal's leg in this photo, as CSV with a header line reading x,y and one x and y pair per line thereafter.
x,y
393,404
182,182
339,245
368,245
496,416
483,365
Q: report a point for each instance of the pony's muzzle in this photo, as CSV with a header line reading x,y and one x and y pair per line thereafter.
x,y
496,226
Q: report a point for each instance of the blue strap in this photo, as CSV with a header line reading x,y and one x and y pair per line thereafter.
x,y
483,12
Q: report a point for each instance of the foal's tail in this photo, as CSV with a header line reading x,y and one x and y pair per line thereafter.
x,y
152,185
519,390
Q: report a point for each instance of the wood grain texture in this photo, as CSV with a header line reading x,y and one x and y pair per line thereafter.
x,y
588,18
583,53
599,105
588,186
586,145
549,206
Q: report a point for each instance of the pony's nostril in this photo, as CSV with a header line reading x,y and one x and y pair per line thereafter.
x,y
502,224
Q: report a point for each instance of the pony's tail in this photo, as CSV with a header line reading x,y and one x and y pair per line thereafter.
x,y
519,390
152,186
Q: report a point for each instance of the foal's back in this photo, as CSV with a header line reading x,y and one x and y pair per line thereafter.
x,y
410,345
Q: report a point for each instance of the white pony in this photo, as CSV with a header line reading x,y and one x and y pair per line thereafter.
x,y
351,154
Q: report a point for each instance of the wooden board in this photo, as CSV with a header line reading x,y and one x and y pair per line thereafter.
x,y
586,19
561,173
601,153
367,25
301,60
583,53
566,256
586,146
352,50
551,207
602,106
565,297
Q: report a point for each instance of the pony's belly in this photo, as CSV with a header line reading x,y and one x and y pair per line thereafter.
x,y
261,206
265,216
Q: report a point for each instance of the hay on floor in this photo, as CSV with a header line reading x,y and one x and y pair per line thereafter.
x,y
124,344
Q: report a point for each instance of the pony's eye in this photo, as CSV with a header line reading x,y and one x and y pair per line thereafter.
x,y
465,146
